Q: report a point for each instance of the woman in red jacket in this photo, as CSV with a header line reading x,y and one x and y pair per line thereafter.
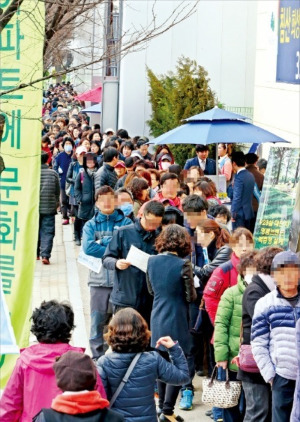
x,y
226,274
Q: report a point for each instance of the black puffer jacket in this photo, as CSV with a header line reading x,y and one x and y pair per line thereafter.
x,y
105,176
49,191
84,194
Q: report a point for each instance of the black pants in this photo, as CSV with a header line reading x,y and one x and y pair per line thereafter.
x,y
101,313
282,398
64,204
46,235
167,393
78,224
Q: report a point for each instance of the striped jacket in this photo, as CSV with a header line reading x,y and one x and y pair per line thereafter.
x,y
273,336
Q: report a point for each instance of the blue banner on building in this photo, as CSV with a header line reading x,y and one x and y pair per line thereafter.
x,y
288,56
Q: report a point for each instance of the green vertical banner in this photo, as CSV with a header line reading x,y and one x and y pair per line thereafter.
x,y
277,206
21,61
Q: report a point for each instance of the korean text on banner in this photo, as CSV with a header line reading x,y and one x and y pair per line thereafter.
x,y
21,58
274,223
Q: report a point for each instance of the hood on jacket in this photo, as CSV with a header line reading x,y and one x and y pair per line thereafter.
x,y
235,260
241,284
82,402
41,357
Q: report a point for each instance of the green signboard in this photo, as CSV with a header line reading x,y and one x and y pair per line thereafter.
x,y
278,199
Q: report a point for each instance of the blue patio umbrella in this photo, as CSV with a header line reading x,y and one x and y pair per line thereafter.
x,y
215,126
96,108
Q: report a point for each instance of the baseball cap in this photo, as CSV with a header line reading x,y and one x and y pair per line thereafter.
x,y
81,149
120,164
284,259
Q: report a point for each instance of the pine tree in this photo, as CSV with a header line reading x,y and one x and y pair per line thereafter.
x,y
178,96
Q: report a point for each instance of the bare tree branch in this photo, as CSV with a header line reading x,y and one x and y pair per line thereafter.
x,y
9,13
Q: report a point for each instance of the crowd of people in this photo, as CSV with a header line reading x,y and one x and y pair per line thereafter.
x,y
206,298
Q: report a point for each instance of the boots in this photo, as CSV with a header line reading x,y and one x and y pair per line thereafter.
x,y
77,238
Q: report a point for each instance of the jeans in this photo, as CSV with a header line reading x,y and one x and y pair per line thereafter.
x,y
258,402
217,411
282,398
46,235
101,313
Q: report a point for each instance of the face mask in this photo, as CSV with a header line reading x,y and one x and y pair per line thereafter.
x,y
68,148
127,208
248,278
165,165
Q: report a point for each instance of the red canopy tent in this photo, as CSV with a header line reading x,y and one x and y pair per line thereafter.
x,y
94,95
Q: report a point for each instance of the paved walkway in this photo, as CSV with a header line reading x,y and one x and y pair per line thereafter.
x,y
64,279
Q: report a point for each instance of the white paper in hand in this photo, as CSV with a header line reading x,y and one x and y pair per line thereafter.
x,y
138,258
90,262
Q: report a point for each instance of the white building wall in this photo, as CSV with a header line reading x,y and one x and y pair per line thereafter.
x,y
220,36
276,105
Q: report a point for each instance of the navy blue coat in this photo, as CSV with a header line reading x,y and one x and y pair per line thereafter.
x,y
62,161
130,287
242,195
84,193
136,400
170,279
210,165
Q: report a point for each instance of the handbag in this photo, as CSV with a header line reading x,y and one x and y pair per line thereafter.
x,y
125,379
223,394
246,360
203,325
68,188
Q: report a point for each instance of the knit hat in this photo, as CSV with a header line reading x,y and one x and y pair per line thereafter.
x,y
75,371
284,259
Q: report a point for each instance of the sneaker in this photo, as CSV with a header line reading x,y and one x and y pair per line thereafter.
x,y
186,402
45,260
38,258
209,412
171,418
77,242
65,222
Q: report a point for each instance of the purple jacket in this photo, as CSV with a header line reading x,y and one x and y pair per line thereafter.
x,y
32,384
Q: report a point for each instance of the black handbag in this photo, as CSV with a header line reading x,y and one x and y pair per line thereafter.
x,y
203,325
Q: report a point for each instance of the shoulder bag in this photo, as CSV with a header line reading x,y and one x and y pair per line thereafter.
x,y
246,359
223,394
125,379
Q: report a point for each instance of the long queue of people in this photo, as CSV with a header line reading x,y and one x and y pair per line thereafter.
x,y
206,302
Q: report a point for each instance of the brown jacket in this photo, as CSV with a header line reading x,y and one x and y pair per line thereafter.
x,y
259,180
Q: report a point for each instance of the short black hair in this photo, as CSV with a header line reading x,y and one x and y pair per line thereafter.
x,y
216,210
168,176
44,157
262,163
194,203
68,138
124,190
251,158
129,162
127,144
140,142
238,157
112,144
154,207
173,216
201,148
104,190
109,154
53,322
122,133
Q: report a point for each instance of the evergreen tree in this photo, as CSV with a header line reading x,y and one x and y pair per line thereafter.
x,y
177,96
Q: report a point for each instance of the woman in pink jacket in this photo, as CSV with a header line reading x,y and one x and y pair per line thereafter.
x,y
32,384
